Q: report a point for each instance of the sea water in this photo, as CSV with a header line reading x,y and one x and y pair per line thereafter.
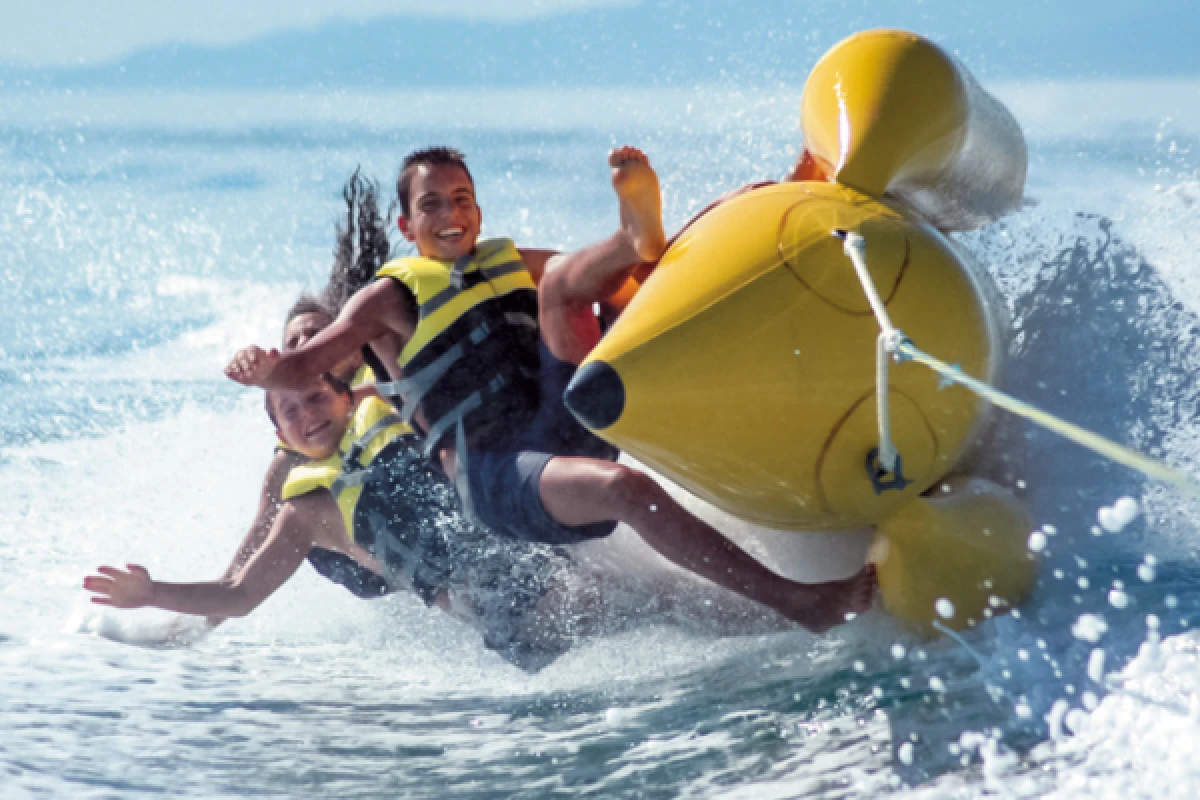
x,y
145,236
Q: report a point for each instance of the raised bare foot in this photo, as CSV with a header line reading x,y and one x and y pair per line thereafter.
x,y
640,201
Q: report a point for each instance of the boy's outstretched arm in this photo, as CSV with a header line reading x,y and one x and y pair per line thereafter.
x,y
381,309
270,500
301,523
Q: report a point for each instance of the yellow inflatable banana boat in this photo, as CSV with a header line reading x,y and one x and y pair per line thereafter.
x,y
745,368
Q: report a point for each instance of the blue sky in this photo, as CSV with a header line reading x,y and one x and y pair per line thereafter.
x,y
277,44
49,33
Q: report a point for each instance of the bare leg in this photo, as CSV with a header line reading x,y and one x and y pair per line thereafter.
x,y
575,281
580,491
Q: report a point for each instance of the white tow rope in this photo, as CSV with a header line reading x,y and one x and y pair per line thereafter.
x,y
893,344
886,344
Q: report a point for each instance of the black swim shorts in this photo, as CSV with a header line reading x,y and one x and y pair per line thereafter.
x,y
503,478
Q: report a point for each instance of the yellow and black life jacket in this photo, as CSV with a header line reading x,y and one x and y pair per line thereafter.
x,y
473,358
395,506
374,426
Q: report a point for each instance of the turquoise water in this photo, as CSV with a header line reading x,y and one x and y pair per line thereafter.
x,y
146,236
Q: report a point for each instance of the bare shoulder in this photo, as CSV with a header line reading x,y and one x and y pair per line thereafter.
x,y
535,260
283,460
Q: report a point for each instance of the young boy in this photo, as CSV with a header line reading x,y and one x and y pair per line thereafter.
x,y
480,340
368,499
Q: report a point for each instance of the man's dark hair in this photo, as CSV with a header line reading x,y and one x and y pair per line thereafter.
x,y
428,157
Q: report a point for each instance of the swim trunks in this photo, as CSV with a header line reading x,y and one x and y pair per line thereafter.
x,y
503,475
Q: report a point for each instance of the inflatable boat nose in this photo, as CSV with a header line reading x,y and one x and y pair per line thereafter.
x,y
596,395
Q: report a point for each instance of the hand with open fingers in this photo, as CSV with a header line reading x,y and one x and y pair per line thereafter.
x,y
252,365
120,588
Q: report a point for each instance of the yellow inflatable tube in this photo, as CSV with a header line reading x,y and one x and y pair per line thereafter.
x,y
744,369
891,114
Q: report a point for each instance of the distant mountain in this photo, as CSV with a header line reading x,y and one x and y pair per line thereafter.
x,y
661,42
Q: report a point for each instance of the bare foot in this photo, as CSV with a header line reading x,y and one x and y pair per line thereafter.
x,y
829,603
638,195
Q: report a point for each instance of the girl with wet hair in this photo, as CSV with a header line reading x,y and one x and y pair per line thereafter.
x,y
362,247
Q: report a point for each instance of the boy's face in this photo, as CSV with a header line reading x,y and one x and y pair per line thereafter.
x,y
443,219
311,421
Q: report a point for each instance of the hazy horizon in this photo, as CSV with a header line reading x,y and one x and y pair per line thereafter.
x,y
566,42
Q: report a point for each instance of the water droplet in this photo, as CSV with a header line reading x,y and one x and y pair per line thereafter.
x,y
1114,518
1095,668
945,608
1089,627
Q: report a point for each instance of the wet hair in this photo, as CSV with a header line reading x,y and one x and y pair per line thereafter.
x,y
362,243
362,248
428,157
308,304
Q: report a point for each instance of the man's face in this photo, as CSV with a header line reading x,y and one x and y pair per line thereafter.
x,y
311,421
443,219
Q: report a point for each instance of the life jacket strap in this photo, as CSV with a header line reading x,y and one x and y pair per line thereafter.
x,y
361,443
521,319
459,270
462,475
353,472
458,282
411,391
349,479
455,416
479,255
391,551
462,482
